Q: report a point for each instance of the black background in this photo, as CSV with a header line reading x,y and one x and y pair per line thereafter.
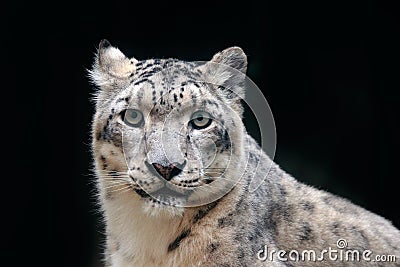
x,y
329,70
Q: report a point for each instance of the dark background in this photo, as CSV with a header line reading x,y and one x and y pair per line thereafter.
x,y
329,70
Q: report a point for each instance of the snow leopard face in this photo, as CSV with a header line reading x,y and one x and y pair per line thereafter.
x,y
166,131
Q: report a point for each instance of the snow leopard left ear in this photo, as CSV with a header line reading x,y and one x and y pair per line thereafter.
x,y
111,68
227,71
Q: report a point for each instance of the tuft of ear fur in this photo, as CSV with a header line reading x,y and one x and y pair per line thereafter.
x,y
111,68
227,71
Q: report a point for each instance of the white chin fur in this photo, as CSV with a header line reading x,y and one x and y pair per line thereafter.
x,y
154,209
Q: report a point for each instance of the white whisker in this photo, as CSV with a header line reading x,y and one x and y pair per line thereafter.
x,y
121,189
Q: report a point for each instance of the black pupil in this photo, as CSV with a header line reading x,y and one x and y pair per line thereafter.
x,y
200,118
134,115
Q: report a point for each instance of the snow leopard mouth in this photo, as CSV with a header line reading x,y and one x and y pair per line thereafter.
x,y
163,192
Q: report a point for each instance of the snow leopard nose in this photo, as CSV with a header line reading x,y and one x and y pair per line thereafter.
x,y
170,171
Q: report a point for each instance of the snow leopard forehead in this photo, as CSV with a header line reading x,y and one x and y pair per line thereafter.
x,y
113,72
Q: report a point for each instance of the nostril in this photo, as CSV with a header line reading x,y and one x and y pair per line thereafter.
x,y
170,171
175,170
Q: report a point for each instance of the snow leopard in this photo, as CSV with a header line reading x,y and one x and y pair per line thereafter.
x,y
169,143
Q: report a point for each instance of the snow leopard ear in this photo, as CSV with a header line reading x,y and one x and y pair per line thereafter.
x,y
227,71
111,67
233,57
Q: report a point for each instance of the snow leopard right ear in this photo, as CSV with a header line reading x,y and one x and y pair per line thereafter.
x,y
227,71
111,68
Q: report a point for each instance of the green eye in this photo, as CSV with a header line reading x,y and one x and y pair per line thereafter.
x,y
133,117
200,120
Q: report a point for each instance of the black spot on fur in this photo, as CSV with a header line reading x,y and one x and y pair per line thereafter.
x,y
253,157
240,256
335,227
270,224
120,100
103,161
142,193
306,232
283,211
254,235
194,99
226,221
307,205
226,140
204,211
175,244
223,141
140,81
175,98
149,65
213,247
282,190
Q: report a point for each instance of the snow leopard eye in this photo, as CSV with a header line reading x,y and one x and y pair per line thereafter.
x,y
200,120
133,117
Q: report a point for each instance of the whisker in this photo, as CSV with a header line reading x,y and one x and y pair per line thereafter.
x,y
120,189
117,185
115,178
208,189
114,175
212,186
217,177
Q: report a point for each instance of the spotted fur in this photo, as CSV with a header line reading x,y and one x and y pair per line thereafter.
x,y
229,231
